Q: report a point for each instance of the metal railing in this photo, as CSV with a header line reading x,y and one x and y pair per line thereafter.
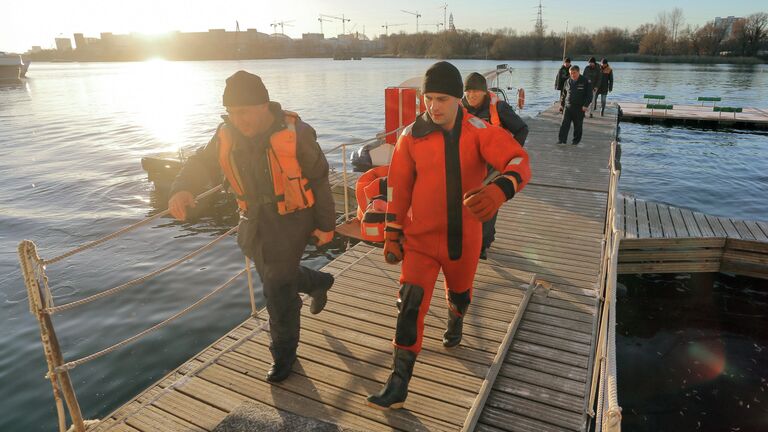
x,y
42,305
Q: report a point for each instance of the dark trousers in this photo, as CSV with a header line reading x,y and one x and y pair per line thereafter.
x,y
276,244
489,232
572,114
562,97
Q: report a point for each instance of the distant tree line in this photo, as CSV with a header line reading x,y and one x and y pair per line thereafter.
x,y
669,35
667,39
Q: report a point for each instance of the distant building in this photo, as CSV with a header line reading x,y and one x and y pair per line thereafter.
x,y
313,36
727,23
64,44
80,41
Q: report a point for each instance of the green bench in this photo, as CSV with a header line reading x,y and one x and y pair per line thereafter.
x,y
722,109
648,97
713,99
654,107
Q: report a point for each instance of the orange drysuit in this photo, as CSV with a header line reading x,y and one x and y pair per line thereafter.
x,y
431,170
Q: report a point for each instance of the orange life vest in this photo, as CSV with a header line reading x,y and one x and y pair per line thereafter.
x,y
291,189
494,112
371,193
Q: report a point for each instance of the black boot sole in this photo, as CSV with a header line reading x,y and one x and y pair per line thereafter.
x,y
396,405
451,344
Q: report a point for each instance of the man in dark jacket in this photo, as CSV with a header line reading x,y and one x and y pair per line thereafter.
x,y
249,150
578,95
606,84
561,78
481,103
592,73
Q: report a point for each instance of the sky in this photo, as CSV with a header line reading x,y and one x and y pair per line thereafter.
x,y
38,22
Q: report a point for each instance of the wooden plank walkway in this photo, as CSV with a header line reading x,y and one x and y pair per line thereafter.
x,y
665,239
554,229
750,118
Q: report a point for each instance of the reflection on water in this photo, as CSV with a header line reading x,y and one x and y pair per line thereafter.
x,y
72,136
693,352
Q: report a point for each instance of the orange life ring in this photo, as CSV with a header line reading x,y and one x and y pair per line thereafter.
x,y
520,98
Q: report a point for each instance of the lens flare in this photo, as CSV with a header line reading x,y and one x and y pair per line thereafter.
x,y
707,359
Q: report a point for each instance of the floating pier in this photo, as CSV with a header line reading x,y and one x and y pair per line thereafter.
x,y
660,238
708,114
528,358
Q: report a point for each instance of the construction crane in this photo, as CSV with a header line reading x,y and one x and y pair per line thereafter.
x,y
437,26
282,25
343,20
444,7
386,27
321,19
417,14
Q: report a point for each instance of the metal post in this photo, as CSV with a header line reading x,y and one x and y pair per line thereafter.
x,y
344,177
28,256
250,286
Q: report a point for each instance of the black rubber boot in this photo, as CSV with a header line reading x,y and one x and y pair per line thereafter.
x,y
320,294
454,330
395,390
282,364
459,303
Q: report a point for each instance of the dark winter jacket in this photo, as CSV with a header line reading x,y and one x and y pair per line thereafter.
x,y
592,73
561,77
203,168
578,93
509,120
606,80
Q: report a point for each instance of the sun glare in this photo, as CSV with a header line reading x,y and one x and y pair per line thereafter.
x,y
162,100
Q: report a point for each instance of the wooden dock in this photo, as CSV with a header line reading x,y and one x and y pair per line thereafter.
x,y
696,115
659,238
554,229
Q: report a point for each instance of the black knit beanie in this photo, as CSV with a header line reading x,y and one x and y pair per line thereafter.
x,y
244,88
475,81
443,77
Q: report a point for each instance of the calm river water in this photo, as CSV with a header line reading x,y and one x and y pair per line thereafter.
x,y
71,138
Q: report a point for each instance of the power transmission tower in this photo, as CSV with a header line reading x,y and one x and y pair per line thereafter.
x,y
539,29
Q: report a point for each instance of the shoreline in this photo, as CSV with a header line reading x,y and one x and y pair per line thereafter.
x,y
616,58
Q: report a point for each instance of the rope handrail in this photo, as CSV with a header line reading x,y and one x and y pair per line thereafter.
x,y
234,345
145,221
72,364
120,232
597,356
55,309
608,414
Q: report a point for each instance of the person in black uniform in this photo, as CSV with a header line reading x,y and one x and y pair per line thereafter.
x,y
561,78
479,102
578,96
271,160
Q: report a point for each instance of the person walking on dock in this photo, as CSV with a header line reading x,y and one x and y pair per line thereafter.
x,y
578,95
435,211
481,103
561,78
270,159
593,74
606,84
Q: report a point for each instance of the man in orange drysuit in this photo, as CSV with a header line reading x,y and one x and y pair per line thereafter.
x,y
435,212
